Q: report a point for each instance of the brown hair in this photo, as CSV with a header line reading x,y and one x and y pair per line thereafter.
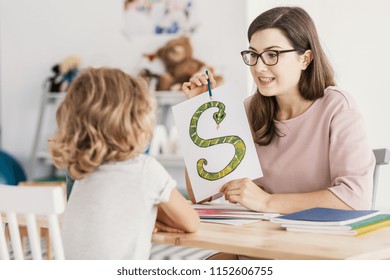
x,y
299,29
107,115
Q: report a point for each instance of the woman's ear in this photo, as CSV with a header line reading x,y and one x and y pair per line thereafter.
x,y
307,57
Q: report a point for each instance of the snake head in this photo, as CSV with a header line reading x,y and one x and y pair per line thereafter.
x,y
219,116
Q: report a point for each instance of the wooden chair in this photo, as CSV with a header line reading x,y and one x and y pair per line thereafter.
x,y
32,204
382,157
43,230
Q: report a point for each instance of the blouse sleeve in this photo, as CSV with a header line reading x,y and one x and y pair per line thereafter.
x,y
351,159
160,183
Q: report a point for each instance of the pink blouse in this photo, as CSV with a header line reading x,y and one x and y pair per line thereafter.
x,y
324,148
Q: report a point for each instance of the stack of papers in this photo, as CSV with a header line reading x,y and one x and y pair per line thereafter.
x,y
229,214
334,221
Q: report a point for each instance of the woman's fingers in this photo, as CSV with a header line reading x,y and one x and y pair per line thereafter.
x,y
186,88
233,194
236,191
233,184
213,82
229,189
234,199
198,84
195,81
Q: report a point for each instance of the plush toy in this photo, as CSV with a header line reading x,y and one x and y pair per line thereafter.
x,y
64,73
179,64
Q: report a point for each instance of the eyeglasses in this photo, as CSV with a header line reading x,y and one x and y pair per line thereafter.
x,y
270,57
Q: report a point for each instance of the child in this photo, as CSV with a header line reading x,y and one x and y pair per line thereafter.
x,y
104,124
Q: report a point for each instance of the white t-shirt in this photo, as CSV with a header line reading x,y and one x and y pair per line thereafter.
x,y
111,213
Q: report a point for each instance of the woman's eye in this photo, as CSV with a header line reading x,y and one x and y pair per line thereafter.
x,y
271,54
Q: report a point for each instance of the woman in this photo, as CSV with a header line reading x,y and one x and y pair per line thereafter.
x,y
309,136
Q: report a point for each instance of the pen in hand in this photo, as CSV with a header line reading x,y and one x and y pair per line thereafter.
x,y
208,85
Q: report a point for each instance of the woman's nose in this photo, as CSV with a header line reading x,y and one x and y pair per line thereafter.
x,y
260,66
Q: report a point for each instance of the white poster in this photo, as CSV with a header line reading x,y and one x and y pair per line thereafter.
x,y
159,17
216,140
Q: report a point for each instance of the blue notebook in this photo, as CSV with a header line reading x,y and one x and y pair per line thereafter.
x,y
325,216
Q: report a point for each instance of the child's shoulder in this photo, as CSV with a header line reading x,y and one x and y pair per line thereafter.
x,y
148,161
139,160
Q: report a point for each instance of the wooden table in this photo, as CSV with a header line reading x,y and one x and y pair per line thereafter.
x,y
267,240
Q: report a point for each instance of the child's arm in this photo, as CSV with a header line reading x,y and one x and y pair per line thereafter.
x,y
177,213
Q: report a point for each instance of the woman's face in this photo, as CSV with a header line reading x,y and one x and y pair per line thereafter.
x,y
282,78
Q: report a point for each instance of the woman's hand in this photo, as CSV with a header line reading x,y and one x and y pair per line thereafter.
x,y
198,84
247,193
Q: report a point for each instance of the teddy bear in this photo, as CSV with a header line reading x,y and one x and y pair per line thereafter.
x,y
179,64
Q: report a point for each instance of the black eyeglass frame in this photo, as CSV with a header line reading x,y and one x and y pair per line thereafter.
x,y
261,57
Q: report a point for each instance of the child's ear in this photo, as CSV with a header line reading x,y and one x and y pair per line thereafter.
x,y
307,57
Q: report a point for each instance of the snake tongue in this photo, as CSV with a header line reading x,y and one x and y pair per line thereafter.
x,y
217,126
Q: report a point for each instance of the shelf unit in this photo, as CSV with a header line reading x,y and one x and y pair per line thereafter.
x,y
165,100
40,155
169,97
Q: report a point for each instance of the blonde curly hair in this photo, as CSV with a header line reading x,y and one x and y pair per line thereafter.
x,y
107,115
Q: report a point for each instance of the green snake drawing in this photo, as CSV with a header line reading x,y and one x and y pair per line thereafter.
x,y
236,141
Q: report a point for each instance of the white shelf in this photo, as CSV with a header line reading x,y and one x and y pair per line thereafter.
x,y
54,96
44,157
166,160
164,99
59,94
171,160
169,97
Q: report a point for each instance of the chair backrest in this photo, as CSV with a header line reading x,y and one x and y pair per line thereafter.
x,y
35,205
382,157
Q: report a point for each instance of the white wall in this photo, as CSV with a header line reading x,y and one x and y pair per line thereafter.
x,y
355,36
35,35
